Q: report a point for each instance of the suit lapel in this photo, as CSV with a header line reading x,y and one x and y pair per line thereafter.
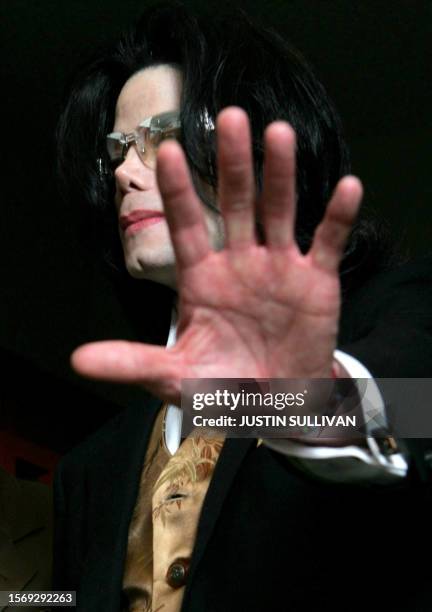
x,y
117,470
233,452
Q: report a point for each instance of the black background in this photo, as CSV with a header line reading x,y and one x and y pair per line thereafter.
x,y
373,57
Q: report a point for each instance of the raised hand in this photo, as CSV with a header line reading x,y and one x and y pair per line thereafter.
x,y
249,310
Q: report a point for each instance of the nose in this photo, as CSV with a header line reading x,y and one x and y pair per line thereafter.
x,y
132,174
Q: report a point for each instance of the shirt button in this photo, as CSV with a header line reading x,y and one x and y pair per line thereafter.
x,y
177,573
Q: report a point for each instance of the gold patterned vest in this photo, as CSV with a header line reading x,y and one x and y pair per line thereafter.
x,y
165,519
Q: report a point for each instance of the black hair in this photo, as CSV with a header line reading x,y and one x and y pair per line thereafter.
x,y
224,61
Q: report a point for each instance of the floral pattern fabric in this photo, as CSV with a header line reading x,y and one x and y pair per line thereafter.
x,y
165,518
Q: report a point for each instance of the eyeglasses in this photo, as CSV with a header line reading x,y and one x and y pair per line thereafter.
x,y
147,138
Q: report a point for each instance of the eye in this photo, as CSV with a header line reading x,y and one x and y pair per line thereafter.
x,y
166,134
173,133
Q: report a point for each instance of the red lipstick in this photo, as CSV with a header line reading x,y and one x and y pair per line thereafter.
x,y
138,219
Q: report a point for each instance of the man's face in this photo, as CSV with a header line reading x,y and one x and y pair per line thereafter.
x,y
147,245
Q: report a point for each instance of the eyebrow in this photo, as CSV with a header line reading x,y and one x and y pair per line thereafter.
x,y
120,131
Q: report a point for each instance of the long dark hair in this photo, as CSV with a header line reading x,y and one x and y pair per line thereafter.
x,y
226,61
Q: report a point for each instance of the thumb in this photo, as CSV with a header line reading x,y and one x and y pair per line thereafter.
x,y
156,368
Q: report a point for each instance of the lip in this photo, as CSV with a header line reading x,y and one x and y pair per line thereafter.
x,y
138,219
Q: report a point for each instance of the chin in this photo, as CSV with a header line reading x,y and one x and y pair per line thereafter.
x,y
157,269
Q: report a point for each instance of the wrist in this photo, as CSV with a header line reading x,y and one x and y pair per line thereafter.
x,y
339,371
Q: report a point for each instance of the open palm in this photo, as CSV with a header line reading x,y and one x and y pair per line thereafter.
x,y
250,310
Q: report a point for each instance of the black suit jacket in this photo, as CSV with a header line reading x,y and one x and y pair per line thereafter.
x,y
269,538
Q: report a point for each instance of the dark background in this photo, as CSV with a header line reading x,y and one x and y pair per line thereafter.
x,y
374,58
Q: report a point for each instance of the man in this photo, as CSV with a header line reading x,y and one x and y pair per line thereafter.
x,y
252,260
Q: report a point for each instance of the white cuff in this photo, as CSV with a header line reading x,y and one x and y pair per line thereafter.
x,y
350,463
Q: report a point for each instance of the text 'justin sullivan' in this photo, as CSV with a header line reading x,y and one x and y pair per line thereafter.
x,y
276,420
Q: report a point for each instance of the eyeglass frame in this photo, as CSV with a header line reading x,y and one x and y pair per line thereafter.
x,y
127,139
152,123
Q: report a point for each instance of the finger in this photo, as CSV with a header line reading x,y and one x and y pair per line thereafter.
x,y
182,206
333,231
236,185
277,200
155,368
